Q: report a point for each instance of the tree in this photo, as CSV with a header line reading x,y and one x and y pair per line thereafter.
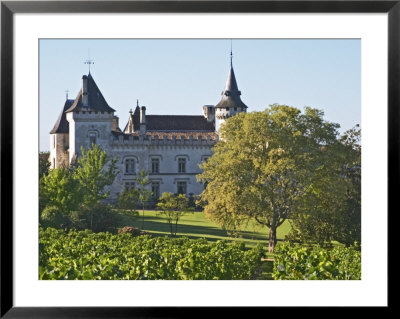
x,y
173,207
60,190
331,207
94,171
128,200
263,164
144,194
44,163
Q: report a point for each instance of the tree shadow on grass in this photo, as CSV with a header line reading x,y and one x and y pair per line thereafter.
x,y
158,226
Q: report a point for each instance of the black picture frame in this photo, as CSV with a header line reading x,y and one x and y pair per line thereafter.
x,y
9,8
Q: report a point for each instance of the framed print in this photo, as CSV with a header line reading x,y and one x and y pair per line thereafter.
x,y
160,181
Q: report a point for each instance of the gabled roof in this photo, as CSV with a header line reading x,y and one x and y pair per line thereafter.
x,y
96,101
62,125
231,93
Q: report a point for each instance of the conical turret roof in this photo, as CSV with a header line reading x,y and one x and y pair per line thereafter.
x,y
62,125
231,93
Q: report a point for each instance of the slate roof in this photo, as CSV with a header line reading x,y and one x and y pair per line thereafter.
x,y
231,93
173,123
96,101
62,125
178,123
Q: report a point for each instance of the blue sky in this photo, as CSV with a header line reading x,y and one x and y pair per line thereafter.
x,y
179,76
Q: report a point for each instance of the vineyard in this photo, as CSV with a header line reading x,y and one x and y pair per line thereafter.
x,y
105,256
296,262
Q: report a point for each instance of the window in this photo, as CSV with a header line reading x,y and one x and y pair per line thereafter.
x,y
155,188
181,188
92,138
182,165
54,141
129,166
129,185
155,165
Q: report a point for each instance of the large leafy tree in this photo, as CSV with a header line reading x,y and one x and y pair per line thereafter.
x,y
263,165
331,206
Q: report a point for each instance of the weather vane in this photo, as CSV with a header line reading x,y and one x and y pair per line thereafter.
x,y
66,94
89,61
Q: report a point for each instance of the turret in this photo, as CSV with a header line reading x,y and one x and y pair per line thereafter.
x,y
231,102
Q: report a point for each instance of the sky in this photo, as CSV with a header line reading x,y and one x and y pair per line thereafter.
x,y
179,76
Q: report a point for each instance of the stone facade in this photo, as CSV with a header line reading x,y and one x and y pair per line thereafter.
x,y
169,147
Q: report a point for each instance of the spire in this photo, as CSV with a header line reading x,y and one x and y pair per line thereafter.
x,y
231,94
231,54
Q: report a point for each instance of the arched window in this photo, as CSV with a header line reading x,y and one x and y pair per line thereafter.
x,y
130,166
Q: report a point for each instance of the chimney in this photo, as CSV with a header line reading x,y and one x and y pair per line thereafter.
x,y
115,123
85,98
209,113
143,120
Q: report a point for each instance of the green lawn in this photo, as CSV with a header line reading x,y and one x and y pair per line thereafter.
x,y
196,225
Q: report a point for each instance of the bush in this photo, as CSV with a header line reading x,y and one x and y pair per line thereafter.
x,y
88,255
52,217
100,217
134,231
298,262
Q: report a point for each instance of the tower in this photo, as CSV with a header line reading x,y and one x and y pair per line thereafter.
x,y
90,118
59,139
230,103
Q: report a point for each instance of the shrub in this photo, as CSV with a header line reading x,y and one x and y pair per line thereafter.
x,y
52,217
299,262
100,217
134,231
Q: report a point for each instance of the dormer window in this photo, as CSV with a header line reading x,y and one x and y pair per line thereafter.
x,y
227,93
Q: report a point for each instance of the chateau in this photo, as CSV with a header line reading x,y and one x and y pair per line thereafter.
x,y
169,147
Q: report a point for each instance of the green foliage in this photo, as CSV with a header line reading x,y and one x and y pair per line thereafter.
x,y
128,200
263,164
101,256
61,190
95,172
71,198
52,217
173,207
294,262
44,163
100,217
331,204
